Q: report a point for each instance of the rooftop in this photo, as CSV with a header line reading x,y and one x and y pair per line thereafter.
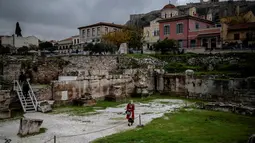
x,y
103,23
182,17
168,6
67,39
243,26
76,36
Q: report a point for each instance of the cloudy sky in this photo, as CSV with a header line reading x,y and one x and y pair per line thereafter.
x,y
59,19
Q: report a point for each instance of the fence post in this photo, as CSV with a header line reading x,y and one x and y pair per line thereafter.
x,y
55,139
140,121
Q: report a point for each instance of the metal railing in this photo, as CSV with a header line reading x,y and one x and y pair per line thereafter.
x,y
19,91
33,98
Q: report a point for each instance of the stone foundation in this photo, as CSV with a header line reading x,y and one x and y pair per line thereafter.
x,y
5,101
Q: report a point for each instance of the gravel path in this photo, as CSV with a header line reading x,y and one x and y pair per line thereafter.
x,y
75,129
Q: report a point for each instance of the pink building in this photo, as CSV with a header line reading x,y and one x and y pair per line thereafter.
x,y
190,31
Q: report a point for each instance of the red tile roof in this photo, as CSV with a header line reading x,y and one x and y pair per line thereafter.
x,y
250,25
67,39
103,23
182,17
168,6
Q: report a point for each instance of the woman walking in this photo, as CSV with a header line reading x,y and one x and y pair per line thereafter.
x,y
130,111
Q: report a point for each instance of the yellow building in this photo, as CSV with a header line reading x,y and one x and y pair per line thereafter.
x,y
237,28
151,33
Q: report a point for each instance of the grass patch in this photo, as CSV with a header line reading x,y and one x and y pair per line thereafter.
x,y
180,67
138,56
196,126
41,131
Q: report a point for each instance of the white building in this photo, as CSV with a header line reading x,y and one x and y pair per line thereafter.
x,y
19,42
169,11
65,46
70,45
94,32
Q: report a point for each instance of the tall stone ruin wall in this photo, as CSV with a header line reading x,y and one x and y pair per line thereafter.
x,y
99,84
236,90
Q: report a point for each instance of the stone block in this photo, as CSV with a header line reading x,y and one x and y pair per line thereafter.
x,y
44,107
90,103
5,114
29,126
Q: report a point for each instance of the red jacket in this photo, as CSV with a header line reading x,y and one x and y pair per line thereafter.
x,y
131,108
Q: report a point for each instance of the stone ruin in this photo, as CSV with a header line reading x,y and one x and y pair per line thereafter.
x,y
29,126
115,94
85,100
227,107
5,101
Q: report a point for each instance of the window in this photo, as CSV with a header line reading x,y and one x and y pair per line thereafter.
x,y
98,31
88,32
236,36
166,29
83,33
93,31
106,29
197,26
78,41
114,29
179,28
193,43
207,26
156,32
74,41
218,25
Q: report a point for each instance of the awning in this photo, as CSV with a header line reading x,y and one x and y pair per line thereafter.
x,y
208,35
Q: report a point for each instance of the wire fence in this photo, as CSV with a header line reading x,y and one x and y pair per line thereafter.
x,y
54,138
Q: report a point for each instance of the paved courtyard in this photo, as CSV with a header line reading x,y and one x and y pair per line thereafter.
x,y
84,129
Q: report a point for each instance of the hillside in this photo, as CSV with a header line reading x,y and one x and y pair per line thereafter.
x,y
218,9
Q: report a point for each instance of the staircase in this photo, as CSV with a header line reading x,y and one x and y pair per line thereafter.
x,y
28,104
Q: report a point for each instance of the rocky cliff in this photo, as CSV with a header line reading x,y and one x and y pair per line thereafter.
x,y
218,9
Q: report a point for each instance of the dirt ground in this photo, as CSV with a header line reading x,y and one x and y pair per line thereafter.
x,y
84,129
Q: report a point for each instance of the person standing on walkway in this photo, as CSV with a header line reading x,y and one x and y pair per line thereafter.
x,y
25,89
130,111
22,78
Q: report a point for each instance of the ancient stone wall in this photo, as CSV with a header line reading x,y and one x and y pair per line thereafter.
x,y
5,99
208,88
100,83
78,63
98,87
11,71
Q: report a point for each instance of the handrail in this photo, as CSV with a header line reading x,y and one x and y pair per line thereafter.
x,y
33,95
29,93
17,82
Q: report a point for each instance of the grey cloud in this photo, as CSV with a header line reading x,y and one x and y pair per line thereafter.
x,y
58,19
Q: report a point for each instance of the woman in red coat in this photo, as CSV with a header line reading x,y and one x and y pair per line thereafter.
x,y
130,111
